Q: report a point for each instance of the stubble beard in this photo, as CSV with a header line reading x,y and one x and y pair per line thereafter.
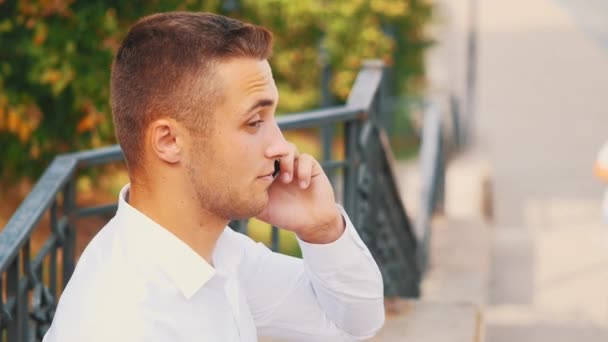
x,y
225,201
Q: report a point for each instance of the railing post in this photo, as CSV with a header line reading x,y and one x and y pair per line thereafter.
x,y
53,261
69,242
471,72
351,137
429,154
28,278
12,291
17,326
274,239
455,112
327,137
5,317
383,105
362,95
3,313
439,199
327,131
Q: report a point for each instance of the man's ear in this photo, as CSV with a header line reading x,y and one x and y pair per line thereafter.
x,y
165,139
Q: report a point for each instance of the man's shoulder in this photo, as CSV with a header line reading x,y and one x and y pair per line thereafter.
x,y
96,314
103,272
102,242
104,291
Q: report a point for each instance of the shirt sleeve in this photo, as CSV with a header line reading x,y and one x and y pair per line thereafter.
x,y
335,293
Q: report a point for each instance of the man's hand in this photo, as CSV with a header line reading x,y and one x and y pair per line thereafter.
x,y
301,200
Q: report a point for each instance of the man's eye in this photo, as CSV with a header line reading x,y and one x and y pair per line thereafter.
x,y
255,124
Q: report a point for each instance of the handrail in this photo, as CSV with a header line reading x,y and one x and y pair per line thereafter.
x,y
30,212
321,117
370,196
432,169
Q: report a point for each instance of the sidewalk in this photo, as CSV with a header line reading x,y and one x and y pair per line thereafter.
x,y
542,114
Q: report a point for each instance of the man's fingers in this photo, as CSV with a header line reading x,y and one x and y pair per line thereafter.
x,y
300,168
287,164
304,171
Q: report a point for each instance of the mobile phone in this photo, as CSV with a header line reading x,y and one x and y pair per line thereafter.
x,y
277,169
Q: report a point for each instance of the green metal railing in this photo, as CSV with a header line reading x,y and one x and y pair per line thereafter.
x,y
365,179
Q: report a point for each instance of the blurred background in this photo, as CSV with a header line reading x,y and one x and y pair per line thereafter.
x,y
539,118
528,77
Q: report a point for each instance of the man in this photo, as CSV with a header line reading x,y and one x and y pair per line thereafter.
x,y
193,101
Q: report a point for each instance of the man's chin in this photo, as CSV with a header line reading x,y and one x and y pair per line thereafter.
x,y
260,208
252,210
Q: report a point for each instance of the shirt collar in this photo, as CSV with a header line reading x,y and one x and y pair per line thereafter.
x,y
188,270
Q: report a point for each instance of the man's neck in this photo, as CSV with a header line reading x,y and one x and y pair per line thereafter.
x,y
181,216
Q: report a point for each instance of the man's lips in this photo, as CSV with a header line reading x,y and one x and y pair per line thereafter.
x,y
271,175
267,176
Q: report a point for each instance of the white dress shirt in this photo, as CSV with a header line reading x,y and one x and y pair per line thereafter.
x,y
136,281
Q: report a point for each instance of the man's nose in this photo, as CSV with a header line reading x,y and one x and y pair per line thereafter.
x,y
278,146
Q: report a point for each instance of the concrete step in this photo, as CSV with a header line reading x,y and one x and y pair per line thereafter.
x,y
548,279
507,323
459,267
512,267
428,321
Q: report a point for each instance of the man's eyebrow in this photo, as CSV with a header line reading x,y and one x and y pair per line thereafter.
x,y
259,104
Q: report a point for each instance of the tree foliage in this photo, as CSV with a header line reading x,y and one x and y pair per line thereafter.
x,y
55,58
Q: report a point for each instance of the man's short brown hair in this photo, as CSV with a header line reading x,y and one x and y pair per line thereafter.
x,y
164,68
